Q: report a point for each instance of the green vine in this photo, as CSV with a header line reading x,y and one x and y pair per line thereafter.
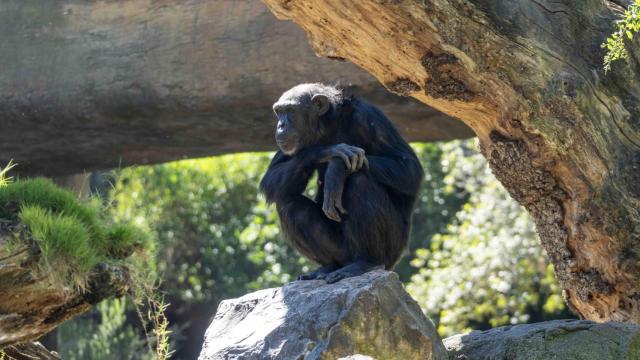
x,y
627,27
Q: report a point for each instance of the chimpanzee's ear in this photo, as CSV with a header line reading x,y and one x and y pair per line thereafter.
x,y
321,104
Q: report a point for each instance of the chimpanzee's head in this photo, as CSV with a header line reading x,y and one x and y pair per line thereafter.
x,y
300,112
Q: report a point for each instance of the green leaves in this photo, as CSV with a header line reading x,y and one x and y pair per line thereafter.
x,y
486,268
627,27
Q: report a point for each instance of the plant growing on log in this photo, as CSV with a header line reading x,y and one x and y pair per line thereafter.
x,y
65,255
627,27
73,237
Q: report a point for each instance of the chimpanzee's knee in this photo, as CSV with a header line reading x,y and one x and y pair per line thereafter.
x,y
375,228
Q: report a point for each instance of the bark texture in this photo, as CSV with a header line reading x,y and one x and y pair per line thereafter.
x,y
30,351
526,76
88,85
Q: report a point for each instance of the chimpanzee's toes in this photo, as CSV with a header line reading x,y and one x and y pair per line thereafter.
x,y
334,277
356,268
319,273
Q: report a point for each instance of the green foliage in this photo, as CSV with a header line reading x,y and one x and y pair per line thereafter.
x,y
437,205
488,268
72,235
216,236
103,334
626,28
477,262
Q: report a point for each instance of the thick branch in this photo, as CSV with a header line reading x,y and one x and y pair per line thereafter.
x,y
91,86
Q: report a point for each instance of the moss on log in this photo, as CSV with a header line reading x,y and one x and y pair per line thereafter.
x,y
58,257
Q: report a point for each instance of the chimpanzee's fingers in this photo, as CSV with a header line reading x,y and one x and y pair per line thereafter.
x,y
361,160
340,207
366,163
334,215
354,163
353,159
329,210
345,158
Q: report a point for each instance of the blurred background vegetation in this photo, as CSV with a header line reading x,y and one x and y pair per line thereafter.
x,y
474,260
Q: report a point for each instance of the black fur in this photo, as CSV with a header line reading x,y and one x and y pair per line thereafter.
x,y
379,200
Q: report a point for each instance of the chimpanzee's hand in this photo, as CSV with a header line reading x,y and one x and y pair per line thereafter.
x,y
332,205
333,187
354,157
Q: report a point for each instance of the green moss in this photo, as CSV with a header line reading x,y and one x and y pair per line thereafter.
x,y
64,241
73,236
123,240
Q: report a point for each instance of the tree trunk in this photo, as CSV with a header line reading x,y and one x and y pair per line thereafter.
x,y
526,75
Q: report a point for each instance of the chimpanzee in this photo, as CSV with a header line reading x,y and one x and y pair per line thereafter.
x,y
368,181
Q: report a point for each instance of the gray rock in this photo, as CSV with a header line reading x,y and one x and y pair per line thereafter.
x,y
559,339
370,315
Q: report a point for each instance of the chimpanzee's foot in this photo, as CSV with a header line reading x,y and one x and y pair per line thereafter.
x,y
356,268
319,273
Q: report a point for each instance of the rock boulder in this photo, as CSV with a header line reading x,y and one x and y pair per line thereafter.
x,y
369,315
559,339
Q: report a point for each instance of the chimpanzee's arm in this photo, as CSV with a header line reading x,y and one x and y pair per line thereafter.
x,y
288,174
332,189
394,163
403,174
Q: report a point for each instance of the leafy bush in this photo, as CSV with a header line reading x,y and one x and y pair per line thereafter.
x,y
488,268
476,260
103,334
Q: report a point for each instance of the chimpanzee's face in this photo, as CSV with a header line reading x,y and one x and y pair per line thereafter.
x,y
298,111
293,122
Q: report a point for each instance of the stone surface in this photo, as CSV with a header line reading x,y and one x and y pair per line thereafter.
x,y
551,340
88,85
370,315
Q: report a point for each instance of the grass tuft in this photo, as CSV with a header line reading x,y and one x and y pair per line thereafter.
x,y
73,236
65,243
4,179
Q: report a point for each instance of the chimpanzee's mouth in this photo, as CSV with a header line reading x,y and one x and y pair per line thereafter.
x,y
287,147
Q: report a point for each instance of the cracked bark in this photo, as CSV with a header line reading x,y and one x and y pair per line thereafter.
x,y
526,76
